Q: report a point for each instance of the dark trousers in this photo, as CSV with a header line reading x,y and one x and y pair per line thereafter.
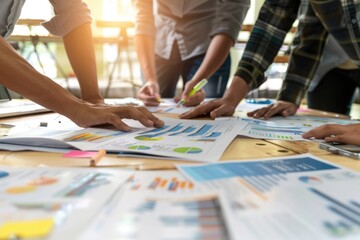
x,y
335,92
168,72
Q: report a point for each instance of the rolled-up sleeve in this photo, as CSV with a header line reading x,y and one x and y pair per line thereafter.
x,y
144,18
69,14
229,17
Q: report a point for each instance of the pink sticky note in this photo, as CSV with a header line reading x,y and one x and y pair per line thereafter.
x,y
79,154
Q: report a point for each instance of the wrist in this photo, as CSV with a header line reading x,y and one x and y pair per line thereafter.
x,y
237,91
94,98
151,81
78,110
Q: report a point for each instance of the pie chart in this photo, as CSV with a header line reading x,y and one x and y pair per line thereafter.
x,y
139,147
188,150
310,179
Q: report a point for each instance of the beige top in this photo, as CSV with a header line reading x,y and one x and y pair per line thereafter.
x,y
189,23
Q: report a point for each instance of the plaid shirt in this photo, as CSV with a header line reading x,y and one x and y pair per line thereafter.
x,y
338,17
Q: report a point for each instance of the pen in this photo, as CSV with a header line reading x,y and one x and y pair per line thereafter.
x,y
197,88
96,159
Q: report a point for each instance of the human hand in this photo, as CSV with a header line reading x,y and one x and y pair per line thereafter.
x,y
216,108
193,100
97,101
90,115
280,107
349,134
224,106
149,94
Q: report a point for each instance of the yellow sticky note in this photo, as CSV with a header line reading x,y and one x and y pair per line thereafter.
x,y
26,229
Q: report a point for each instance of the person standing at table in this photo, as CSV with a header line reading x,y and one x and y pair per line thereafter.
x,y
187,39
71,21
320,18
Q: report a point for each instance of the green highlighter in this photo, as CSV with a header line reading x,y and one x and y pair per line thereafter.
x,y
197,88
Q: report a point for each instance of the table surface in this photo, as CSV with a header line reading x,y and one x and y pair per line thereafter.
x,y
241,148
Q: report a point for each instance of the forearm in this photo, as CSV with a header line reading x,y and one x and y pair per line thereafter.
x,y
215,56
18,75
80,50
145,51
237,90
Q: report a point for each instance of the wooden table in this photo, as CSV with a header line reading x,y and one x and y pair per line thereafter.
x,y
240,148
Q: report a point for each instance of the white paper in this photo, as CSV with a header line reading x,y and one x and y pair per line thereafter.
x,y
302,197
281,128
69,196
163,182
144,216
179,139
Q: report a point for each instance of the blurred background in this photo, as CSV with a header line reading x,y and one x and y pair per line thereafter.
x,y
118,68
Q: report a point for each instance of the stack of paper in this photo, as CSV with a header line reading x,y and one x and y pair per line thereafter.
x,y
53,202
178,139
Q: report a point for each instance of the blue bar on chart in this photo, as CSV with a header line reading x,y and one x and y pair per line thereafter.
x,y
349,215
204,129
275,170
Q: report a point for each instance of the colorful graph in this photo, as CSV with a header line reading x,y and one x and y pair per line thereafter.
x,y
204,216
188,150
181,130
261,175
86,183
310,179
288,133
47,206
164,184
185,219
139,147
148,138
205,140
155,134
172,185
99,136
31,185
21,189
270,135
348,214
43,181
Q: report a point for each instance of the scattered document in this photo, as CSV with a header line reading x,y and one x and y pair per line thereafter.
x,y
308,121
282,128
168,105
142,216
244,107
53,202
178,139
303,197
